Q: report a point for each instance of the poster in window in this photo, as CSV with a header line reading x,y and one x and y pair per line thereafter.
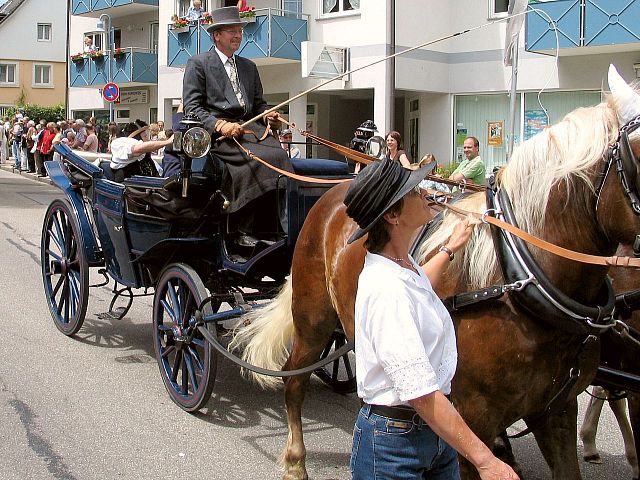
x,y
534,121
494,133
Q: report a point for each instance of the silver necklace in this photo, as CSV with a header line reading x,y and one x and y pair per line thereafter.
x,y
397,260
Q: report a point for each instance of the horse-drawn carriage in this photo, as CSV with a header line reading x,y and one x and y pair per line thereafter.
x,y
518,360
169,235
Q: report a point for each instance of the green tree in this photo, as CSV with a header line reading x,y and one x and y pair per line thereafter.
x,y
39,112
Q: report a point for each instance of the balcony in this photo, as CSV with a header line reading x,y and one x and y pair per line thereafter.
x,y
274,37
131,68
583,26
94,8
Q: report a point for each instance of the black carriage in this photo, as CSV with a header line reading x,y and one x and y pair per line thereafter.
x,y
168,235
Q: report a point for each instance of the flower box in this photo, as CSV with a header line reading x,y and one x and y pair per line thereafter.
x,y
248,14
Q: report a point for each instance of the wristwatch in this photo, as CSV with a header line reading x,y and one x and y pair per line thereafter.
x,y
448,251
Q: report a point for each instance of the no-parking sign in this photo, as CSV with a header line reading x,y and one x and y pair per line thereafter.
x,y
111,92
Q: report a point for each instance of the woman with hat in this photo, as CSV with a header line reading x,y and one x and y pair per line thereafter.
x,y
405,341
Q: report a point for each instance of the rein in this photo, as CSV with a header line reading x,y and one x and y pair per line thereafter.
x,y
613,261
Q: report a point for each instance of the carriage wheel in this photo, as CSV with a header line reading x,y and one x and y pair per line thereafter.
x,y
187,361
65,272
339,375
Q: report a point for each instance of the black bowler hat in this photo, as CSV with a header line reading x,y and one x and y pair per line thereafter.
x,y
225,17
376,189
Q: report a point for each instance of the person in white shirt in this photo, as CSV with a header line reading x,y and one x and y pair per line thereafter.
x,y
130,152
406,352
195,11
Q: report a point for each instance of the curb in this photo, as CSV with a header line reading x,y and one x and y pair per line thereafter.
x,y
8,167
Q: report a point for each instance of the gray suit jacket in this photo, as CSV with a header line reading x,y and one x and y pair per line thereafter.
x,y
208,93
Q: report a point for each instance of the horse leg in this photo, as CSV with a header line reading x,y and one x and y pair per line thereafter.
x,y
503,450
307,347
590,426
619,410
557,438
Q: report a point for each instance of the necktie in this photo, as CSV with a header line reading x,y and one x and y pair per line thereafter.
x,y
233,77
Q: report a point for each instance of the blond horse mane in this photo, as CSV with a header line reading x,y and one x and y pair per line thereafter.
x,y
563,154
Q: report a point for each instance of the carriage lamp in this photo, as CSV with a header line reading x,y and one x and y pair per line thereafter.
x,y
192,141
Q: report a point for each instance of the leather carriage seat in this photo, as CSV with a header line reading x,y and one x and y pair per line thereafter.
x,y
319,167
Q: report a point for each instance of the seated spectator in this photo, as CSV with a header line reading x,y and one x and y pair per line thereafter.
x,y
286,137
195,11
81,133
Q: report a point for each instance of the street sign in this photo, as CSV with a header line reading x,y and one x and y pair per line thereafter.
x,y
111,92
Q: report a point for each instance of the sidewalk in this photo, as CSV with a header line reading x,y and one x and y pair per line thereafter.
x,y
8,166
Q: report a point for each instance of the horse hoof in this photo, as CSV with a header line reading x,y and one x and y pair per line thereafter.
x,y
295,472
595,458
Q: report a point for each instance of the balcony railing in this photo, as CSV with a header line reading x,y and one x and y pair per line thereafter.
x,y
275,36
582,23
131,67
89,7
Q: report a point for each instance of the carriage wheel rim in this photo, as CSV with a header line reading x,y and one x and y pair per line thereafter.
x,y
65,274
184,356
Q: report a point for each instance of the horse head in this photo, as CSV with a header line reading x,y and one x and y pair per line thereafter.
x,y
622,224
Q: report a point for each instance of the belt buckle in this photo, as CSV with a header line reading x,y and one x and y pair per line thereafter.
x,y
417,420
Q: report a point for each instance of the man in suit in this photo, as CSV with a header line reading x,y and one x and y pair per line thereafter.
x,y
225,90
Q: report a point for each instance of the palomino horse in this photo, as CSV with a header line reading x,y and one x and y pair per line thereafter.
x,y
510,364
620,354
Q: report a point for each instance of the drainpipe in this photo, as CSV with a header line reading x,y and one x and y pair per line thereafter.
x,y
66,70
392,68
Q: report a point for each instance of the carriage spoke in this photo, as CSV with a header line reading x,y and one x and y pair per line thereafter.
x,y
58,284
185,375
54,255
168,350
59,238
196,356
176,366
63,296
169,309
188,362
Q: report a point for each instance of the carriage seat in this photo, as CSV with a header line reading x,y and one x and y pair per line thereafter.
x,y
319,167
107,173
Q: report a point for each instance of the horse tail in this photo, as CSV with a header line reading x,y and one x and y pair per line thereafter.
x,y
267,338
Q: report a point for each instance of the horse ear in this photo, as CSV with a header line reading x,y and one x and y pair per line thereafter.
x,y
626,100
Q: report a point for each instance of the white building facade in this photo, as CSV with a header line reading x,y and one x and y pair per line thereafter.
x,y
434,96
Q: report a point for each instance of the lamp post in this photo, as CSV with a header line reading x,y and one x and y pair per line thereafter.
x,y
104,25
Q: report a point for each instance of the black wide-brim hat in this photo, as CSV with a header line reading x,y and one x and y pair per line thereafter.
x,y
225,17
376,189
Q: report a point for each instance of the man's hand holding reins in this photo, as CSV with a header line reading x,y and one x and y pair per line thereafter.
x,y
228,129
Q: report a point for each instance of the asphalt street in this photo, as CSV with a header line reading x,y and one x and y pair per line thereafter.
x,y
94,406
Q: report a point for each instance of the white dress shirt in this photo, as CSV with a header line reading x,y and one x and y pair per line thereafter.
x,y
404,336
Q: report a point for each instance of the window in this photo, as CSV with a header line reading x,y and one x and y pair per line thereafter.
x,y
183,6
498,8
8,73
42,75
44,32
292,6
153,37
153,115
337,6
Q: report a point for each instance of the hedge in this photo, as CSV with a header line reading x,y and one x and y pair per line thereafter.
x,y
38,112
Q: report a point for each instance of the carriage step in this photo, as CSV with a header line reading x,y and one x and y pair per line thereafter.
x,y
115,314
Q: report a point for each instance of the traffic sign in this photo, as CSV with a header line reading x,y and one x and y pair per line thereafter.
x,y
111,92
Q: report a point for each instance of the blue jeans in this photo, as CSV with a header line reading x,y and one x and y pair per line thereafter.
x,y
386,449
15,149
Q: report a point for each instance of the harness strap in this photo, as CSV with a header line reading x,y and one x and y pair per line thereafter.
x,y
613,261
462,300
559,400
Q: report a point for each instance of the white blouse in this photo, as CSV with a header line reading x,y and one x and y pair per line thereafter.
x,y
404,336
122,152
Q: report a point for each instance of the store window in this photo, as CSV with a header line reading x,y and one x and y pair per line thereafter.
x,y
44,32
338,6
42,75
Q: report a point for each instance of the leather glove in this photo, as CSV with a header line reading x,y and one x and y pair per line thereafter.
x,y
228,129
273,120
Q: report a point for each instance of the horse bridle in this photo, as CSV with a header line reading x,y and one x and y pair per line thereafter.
x,y
628,170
